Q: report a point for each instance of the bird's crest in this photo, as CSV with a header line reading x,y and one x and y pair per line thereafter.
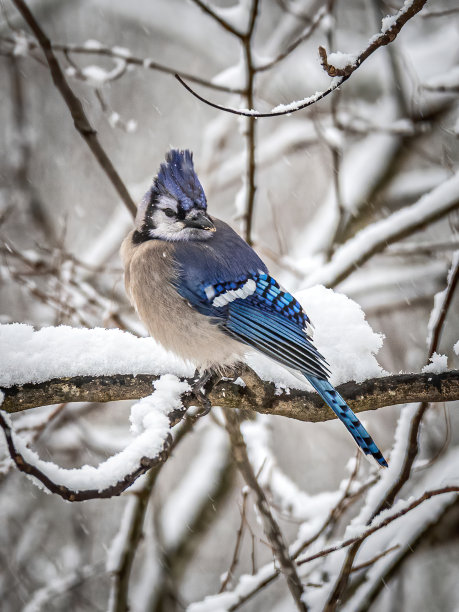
x,y
177,178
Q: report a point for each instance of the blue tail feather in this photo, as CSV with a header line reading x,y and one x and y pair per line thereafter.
x,y
345,414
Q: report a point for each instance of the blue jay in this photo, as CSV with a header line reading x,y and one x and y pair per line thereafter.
x,y
204,293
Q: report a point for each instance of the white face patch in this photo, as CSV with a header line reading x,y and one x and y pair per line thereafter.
x,y
165,201
248,288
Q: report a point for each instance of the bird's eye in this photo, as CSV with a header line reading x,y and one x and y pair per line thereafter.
x,y
169,212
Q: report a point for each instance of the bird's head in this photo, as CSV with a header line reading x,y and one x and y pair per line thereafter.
x,y
175,207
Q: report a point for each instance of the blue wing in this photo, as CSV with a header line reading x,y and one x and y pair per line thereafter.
x,y
252,307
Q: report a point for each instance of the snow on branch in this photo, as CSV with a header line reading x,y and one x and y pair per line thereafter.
x,y
151,420
391,26
374,238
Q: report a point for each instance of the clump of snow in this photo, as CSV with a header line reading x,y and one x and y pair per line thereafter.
x,y
146,445
342,334
29,356
21,45
341,60
97,76
93,45
456,348
145,412
122,51
438,364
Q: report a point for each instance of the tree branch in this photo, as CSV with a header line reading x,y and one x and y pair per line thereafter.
x,y
270,526
75,107
257,395
388,33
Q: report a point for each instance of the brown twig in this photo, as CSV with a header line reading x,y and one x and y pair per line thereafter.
x,y
147,63
384,38
411,453
75,107
376,42
256,395
271,528
417,502
237,546
72,495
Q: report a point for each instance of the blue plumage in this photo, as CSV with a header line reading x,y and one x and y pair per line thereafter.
x,y
222,278
177,177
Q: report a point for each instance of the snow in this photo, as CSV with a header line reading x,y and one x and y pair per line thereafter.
x,y
389,21
456,348
341,60
93,45
144,412
97,76
342,334
29,356
439,300
184,504
155,409
388,476
438,364
447,81
373,237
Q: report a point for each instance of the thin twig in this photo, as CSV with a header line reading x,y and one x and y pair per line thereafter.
x,y
237,546
75,107
271,527
414,504
382,39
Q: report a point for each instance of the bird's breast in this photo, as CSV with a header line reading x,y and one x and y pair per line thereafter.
x,y
150,276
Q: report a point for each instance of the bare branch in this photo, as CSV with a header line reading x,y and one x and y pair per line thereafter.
x,y
75,107
285,109
270,526
224,24
143,62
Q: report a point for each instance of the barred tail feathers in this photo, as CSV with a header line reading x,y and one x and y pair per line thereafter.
x,y
345,414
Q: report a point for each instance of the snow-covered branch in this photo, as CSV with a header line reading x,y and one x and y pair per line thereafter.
x,y
262,396
377,236
390,28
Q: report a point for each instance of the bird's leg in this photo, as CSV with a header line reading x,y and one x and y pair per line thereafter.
x,y
202,385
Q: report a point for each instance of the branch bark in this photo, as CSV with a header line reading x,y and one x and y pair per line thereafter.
x,y
257,395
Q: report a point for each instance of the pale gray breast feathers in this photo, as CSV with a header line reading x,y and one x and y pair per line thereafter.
x,y
149,278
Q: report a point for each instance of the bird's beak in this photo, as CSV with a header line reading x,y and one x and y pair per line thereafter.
x,y
200,221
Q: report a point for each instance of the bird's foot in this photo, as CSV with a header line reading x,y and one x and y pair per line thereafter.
x,y
201,387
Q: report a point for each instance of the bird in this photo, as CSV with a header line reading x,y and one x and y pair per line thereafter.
x,y
204,293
